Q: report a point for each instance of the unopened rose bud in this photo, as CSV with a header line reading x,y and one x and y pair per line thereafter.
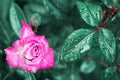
x,y
35,21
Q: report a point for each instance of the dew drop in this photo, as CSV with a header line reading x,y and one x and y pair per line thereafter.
x,y
85,48
82,10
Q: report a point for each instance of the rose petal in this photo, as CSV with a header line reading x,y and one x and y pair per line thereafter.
x,y
24,66
26,30
28,39
32,69
48,60
16,44
44,41
11,57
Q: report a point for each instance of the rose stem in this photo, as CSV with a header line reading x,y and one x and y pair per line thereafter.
x,y
108,14
118,67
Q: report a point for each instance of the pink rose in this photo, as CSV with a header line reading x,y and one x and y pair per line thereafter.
x,y
31,52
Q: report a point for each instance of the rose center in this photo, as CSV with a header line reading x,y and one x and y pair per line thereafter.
x,y
34,51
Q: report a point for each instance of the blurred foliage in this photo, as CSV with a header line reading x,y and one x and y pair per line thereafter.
x,y
57,19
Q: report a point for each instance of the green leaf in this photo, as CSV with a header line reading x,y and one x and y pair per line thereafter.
x,y
64,5
1,51
111,3
53,10
118,56
29,76
20,72
53,40
88,66
4,8
77,44
119,13
95,51
110,74
0,77
4,33
107,44
16,17
64,32
90,13
73,75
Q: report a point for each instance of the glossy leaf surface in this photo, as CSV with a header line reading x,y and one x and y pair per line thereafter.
x,y
16,16
90,13
110,74
77,44
107,44
111,3
29,76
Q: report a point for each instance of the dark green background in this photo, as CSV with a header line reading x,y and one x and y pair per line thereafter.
x,y
59,18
